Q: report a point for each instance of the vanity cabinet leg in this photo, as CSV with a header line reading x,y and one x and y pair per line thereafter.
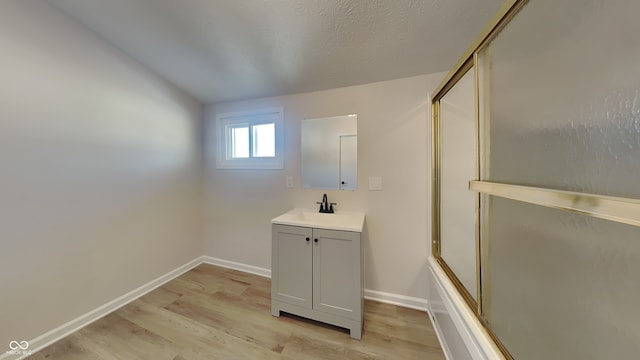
x,y
356,332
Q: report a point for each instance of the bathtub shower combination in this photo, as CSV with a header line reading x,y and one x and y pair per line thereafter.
x,y
536,159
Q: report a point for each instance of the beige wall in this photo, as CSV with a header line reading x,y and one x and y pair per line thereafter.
x,y
393,133
99,172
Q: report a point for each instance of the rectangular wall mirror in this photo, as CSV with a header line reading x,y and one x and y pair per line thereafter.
x,y
330,153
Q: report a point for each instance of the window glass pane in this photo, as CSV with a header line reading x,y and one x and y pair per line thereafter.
x,y
264,136
239,142
250,140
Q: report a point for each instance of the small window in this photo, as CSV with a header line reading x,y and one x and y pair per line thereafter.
x,y
252,140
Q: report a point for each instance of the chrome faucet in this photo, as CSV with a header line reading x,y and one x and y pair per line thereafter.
x,y
325,206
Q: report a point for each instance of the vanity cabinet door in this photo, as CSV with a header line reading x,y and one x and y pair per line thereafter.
x,y
291,265
337,277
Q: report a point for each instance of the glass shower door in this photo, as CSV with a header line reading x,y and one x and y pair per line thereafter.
x,y
560,105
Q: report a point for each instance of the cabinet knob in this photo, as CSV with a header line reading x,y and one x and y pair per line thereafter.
x,y
315,240
308,239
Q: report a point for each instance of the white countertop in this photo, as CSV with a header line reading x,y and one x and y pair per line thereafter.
x,y
340,220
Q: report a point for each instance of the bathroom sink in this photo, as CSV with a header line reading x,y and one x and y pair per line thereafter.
x,y
340,220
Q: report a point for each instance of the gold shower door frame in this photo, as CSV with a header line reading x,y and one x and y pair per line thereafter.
x,y
623,210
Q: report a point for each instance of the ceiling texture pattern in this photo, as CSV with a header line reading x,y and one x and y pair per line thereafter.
x,y
224,50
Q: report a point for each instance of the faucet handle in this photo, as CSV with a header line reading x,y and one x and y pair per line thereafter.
x,y
331,207
321,206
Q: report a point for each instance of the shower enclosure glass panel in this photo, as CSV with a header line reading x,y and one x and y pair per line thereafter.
x,y
458,166
560,109
563,88
560,285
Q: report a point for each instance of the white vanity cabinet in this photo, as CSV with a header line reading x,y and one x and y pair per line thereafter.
x,y
318,274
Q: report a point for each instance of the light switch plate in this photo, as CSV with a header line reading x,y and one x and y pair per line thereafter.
x,y
375,184
290,182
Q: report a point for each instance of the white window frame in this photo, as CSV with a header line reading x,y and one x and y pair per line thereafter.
x,y
251,118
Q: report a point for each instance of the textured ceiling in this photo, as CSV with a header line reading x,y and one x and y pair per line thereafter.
x,y
222,50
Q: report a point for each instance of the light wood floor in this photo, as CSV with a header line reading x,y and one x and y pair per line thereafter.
x,y
216,313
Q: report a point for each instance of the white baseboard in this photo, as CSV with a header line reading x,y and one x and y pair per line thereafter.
x,y
237,266
395,299
66,329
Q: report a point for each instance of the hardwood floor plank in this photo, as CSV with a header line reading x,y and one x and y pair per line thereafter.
x,y
205,316
120,336
191,334
222,311
161,296
217,313
70,348
249,299
303,347
182,331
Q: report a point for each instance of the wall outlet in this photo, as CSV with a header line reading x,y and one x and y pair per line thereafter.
x,y
289,182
